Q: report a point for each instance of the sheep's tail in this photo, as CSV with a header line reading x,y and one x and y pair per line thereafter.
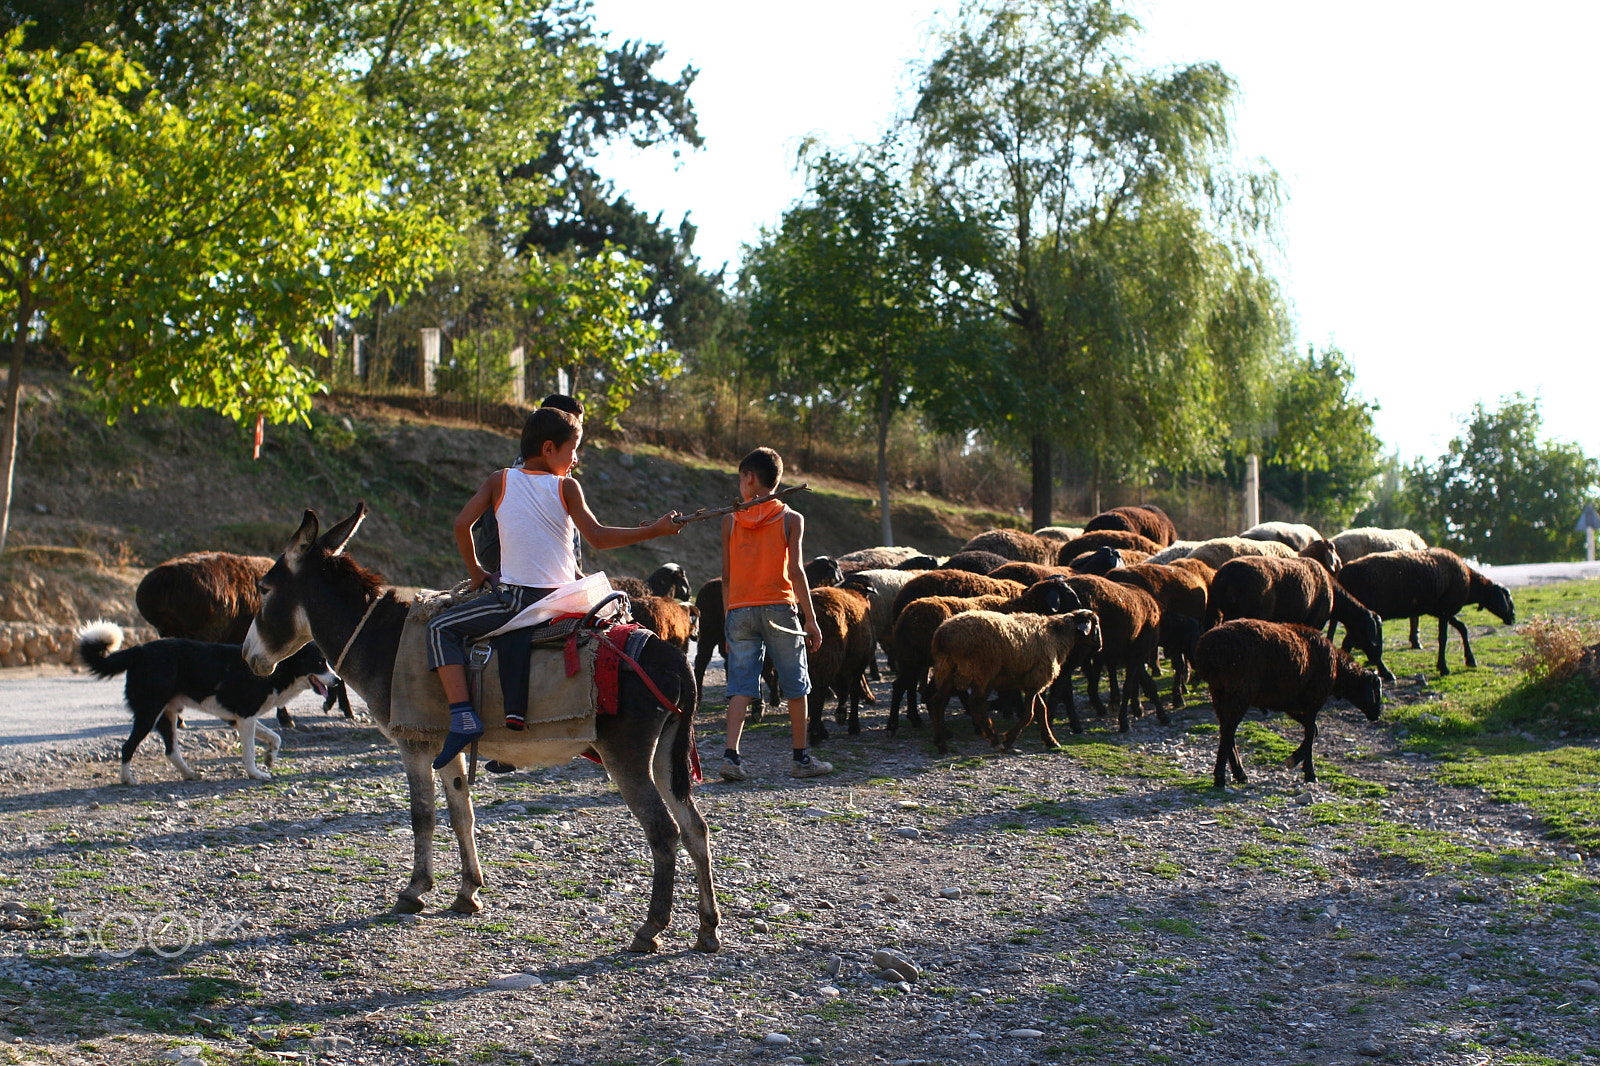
x,y
98,646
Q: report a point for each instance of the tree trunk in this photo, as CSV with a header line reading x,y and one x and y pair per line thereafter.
x,y
884,410
1043,484
8,443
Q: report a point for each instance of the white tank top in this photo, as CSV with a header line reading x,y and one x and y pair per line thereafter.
x,y
535,531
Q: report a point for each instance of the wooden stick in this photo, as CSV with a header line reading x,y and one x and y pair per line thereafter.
x,y
714,512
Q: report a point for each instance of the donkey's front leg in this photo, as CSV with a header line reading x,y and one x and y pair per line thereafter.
x,y
418,761
462,820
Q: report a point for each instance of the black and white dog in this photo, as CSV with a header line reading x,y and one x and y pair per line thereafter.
x,y
167,676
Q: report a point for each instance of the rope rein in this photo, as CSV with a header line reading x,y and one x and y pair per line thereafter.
x,y
338,666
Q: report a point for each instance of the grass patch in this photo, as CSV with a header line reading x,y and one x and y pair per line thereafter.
x,y
1114,760
1559,785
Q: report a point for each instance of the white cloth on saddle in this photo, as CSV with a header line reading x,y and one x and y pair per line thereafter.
x,y
575,597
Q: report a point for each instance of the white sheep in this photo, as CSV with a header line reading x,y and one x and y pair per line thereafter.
x,y
875,558
1219,550
1178,549
979,651
1059,534
880,588
1354,543
1295,534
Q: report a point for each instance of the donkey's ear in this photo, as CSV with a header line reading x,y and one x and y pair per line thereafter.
x,y
336,538
302,539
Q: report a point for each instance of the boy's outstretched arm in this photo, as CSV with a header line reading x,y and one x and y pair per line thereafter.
x,y
481,501
602,537
794,528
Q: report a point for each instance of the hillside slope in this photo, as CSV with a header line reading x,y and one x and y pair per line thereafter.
x,y
97,505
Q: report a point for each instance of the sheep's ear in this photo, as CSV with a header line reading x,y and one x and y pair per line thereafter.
x,y
1086,625
337,537
302,540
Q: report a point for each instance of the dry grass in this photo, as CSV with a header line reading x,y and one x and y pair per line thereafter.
x,y
1554,646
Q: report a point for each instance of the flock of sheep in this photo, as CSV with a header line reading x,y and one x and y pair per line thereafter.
x,y
1019,615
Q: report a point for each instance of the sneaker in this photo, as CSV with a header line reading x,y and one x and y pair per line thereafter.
x,y
809,767
732,771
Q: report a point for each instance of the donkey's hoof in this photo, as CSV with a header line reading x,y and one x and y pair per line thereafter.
x,y
708,942
644,944
465,904
407,905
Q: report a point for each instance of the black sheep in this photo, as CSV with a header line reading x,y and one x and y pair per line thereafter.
x,y
1295,590
1435,581
1289,668
975,562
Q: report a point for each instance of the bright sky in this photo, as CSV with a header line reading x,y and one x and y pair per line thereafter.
x,y
1440,158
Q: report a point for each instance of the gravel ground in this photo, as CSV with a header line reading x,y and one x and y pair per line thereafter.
x,y
1100,904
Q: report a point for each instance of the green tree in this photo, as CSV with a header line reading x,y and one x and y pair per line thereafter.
x,y
584,315
1093,168
182,257
1323,454
1499,493
867,287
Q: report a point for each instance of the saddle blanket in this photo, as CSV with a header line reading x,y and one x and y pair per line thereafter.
x,y
561,707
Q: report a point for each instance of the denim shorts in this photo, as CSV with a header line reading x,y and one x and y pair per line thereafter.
x,y
751,635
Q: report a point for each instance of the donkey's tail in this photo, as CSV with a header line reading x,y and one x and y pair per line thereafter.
x,y
683,736
97,647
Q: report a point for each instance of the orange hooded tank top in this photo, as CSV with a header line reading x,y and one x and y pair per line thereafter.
x,y
758,558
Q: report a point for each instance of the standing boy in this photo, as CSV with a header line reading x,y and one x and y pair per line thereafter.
x,y
765,594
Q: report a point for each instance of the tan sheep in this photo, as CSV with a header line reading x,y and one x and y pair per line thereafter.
x,y
979,651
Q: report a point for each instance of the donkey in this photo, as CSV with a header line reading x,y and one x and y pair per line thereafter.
x,y
316,592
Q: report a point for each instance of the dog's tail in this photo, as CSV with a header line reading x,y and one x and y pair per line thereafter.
x,y
98,644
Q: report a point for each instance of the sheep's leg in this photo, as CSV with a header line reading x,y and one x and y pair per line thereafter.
x,y
1149,686
1091,674
1303,752
1444,636
1180,680
1061,692
1466,643
1025,719
816,732
1227,747
855,704
977,699
1046,734
1416,641
896,694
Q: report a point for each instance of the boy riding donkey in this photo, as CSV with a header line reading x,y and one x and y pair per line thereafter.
x,y
537,506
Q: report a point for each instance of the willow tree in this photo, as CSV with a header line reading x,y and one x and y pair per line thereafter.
x,y
1033,111
181,257
869,287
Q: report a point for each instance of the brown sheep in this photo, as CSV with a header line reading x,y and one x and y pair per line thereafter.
x,y
1181,595
1029,573
1293,669
1105,538
1146,519
978,651
839,666
914,629
674,622
1296,591
1130,624
1013,544
913,641
1435,581
1205,571
952,583
213,597
209,596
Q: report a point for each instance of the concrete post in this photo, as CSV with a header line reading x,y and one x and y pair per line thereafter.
x,y
430,360
357,355
519,378
1252,491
